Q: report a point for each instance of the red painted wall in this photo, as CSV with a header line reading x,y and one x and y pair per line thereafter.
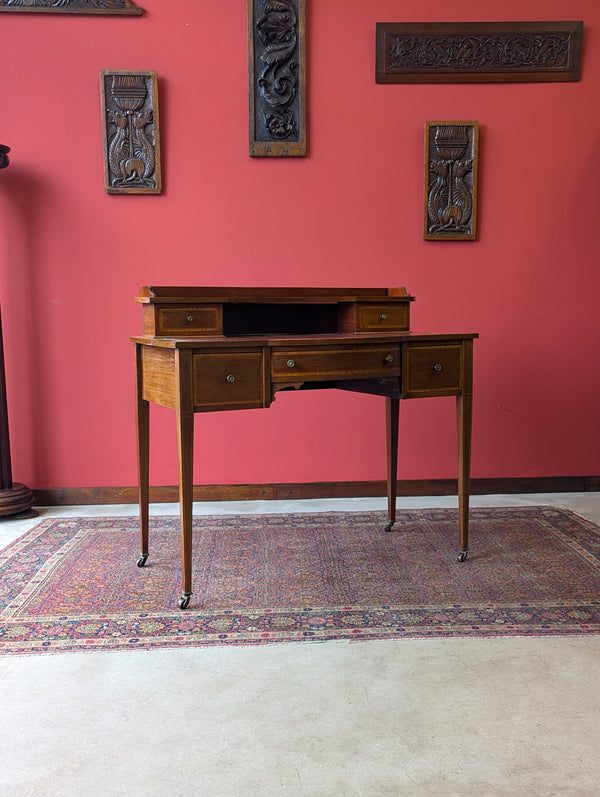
x,y
72,258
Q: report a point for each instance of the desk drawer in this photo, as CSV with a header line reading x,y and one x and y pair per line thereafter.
x,y
374,316
228,381
433,370
348,362
188,321
381,317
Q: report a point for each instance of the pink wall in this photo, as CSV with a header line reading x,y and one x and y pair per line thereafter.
x,y
72,258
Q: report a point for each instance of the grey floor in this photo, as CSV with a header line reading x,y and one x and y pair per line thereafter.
x,y
411,717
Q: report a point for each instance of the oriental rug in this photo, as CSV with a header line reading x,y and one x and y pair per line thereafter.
x,y
73,584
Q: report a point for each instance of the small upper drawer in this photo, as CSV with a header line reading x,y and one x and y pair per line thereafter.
x,y
348,362
228,381
193,321
374,317
433,370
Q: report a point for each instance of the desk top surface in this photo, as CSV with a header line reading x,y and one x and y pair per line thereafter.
x,y
335,339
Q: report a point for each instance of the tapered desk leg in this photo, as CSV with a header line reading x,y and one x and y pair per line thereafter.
x,y
464,417
464,408
392,411
142,419
185,454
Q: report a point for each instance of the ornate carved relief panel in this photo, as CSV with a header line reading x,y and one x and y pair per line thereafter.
x,y
71,6
475,52
277,77
451,160
131,136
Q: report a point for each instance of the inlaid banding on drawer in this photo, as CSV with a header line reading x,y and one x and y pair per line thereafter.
x,y
433,370
351,362
190,321
232,380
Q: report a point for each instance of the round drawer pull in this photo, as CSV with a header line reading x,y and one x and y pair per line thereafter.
x,y
437,367
190,318
389,358
383,316
230,378
291,363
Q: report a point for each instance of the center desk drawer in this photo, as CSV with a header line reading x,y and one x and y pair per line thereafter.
x,y
344,362
228,381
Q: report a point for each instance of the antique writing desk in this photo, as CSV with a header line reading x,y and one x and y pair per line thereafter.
x,y
212,349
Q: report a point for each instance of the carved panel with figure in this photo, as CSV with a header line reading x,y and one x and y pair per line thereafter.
x,y
451,159
131,135
277,77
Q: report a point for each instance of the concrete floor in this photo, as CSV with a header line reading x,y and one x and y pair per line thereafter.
x,y
410,717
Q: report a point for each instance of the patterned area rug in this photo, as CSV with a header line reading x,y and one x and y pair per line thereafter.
x,y
73,584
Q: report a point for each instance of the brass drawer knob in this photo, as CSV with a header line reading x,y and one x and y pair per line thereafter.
x,y
291,363
383,316
230,378
389,358
437,367
190,318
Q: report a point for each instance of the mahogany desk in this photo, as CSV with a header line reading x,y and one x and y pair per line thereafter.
x,y
213,349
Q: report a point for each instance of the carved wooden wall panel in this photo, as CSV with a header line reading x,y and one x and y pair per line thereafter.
x,y
475,52
277,77
451,161
71,6
131,135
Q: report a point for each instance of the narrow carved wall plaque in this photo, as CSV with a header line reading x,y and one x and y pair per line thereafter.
x,y
71,6
477,52
277,77
451,156
131,135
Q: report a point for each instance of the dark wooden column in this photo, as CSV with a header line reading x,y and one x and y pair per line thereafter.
x,y
15,499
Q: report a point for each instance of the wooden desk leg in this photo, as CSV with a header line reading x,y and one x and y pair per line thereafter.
x,y
185,455
392,411
142,422
464,416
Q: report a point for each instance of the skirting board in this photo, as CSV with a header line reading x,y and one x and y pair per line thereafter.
x,y
269,492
